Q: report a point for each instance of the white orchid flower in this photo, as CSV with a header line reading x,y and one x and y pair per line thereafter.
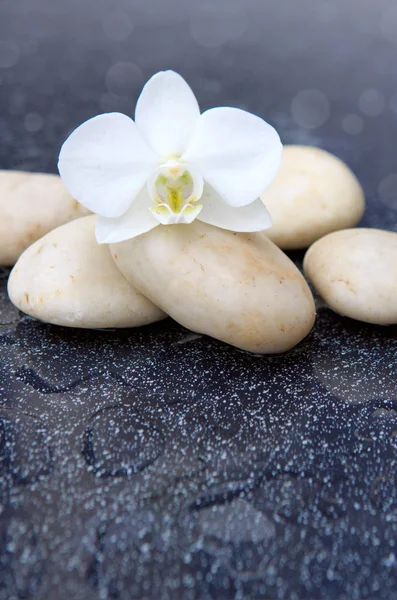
x,y
172,165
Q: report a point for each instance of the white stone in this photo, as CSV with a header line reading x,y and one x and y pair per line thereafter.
x,y
31,205
66,278
238,288
313,194
355,272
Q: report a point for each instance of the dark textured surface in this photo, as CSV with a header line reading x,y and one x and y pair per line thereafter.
x,y
161,464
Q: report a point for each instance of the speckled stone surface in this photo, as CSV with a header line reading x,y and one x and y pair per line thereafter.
x,y
156,463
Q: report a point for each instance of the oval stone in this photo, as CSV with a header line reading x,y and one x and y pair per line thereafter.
x,y
238,288
313,194
355,271
66,278
31,205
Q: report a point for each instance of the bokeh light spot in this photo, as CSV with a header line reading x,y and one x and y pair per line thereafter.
x,y
388,191
9,54
310,109
372,102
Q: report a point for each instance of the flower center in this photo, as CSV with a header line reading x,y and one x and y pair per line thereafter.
x,y
175,190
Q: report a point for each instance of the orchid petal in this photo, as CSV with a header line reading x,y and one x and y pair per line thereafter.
x,y
166,113
238,153
137,220
253,217
105,163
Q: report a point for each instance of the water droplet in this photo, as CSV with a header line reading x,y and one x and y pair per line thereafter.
x,y
21,556
236,522
119,442
390,560
385,413
23,447
383,492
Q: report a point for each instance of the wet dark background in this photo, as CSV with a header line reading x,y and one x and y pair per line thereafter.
x,y
161,464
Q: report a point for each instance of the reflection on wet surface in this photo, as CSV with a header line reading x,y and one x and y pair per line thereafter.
x,y
159,460
354,361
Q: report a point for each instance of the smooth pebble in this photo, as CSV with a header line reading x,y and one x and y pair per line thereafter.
x,y
313,194
355,271
31,205
66,278
238,288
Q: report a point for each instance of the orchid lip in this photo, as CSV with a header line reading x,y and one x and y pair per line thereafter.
x,y
166,216
175,190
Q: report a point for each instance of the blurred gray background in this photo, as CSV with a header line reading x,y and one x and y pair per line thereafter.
x,y
324,72
271,478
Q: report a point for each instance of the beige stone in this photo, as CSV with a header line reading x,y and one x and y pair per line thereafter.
x,y
238,288
355,271
66,278
31,205
313,194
